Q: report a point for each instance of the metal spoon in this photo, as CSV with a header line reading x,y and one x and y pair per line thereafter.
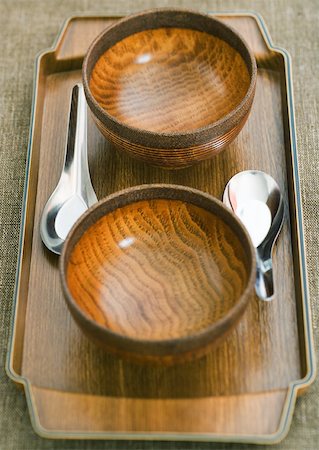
x,y
255,198
74,192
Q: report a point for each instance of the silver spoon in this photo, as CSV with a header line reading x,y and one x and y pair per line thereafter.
x,y
255,198
74,192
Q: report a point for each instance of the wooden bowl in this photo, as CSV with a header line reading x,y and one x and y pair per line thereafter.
x,y
170,87
158,273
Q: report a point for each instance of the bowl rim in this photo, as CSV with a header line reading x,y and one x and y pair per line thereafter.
x,y
159,347
131,131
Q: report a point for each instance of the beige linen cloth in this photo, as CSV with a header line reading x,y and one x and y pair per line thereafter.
x,y
28,26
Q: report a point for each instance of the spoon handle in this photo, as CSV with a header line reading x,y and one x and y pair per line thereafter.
x,y
264,285
76,159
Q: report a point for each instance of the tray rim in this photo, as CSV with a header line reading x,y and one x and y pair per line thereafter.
x,y
293,388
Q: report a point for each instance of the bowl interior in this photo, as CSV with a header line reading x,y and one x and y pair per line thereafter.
x,y
169,79
157,269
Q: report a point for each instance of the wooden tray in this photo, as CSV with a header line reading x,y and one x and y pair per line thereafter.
x,y
245,390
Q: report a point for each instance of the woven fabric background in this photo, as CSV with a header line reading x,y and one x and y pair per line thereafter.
x,y
28,26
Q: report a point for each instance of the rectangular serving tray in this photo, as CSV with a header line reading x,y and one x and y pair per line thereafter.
x,y
245,390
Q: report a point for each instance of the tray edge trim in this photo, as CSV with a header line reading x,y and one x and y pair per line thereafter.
x,y
294,386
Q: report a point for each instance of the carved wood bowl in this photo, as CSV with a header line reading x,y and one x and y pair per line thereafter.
x,y
158,273
170,87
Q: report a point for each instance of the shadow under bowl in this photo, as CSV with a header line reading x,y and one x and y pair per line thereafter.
x,y
170,87
158,273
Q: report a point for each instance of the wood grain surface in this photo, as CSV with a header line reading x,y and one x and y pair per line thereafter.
x,y
170,79
157,269
170,87
158,273
262,356
223,415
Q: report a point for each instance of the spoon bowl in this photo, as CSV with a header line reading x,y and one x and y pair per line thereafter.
x,y
255,198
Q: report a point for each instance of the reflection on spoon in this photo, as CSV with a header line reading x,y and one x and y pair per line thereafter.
x,y
255,198
69,213
256,217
